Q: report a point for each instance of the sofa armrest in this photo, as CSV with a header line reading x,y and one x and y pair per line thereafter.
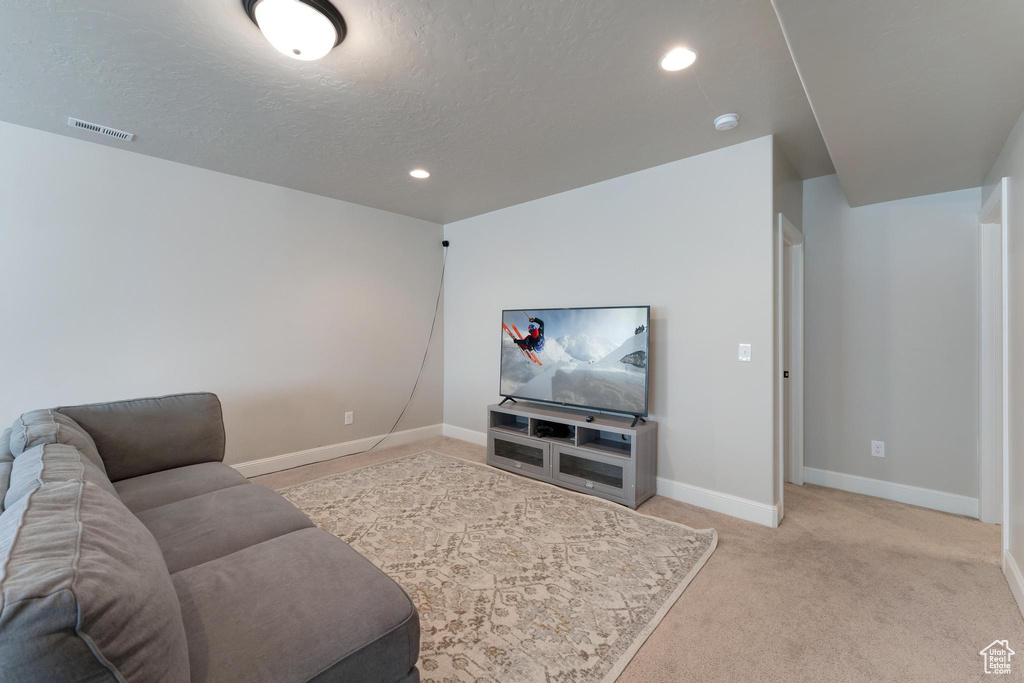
x,y
148,435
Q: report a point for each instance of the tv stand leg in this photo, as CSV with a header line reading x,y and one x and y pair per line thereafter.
x,y
637,418
507,399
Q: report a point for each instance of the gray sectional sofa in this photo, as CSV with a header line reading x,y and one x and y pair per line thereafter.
x,y
130,552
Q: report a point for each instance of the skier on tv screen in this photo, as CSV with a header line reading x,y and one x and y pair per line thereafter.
x,y
534,339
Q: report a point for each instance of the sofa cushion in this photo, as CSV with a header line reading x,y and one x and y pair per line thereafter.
x,y
146,435
411,677
6,462
84,592
323,611
46,426
219,523
170,486
52,462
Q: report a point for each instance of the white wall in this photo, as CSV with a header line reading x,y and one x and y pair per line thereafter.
x,y
891,337
1011,164
787,188
692,238
787,199
125,275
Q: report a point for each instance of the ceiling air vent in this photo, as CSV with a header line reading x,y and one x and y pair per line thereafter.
x,y
102,130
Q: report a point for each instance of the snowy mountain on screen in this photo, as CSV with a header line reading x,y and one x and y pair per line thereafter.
x,y
610,383
638,342
554,352
586,348
607,382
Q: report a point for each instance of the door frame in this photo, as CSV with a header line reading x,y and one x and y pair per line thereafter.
x,y
789,237
993,360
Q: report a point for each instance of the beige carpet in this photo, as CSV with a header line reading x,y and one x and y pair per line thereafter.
x,y
514,580
848,589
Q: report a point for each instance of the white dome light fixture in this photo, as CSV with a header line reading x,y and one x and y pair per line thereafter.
x,y
727,121
419,173
678,59
301,29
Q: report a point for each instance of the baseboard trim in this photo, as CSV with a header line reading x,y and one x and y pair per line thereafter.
x,y
734,506
901,493
1015,578
479,438
276,463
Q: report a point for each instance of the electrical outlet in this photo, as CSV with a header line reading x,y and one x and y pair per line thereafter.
x,y
348,418
878,449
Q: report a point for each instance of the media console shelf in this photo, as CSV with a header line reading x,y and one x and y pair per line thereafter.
x,y
606,457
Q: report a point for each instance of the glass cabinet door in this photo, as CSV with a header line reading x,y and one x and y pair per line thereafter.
x,y
519,452
592,471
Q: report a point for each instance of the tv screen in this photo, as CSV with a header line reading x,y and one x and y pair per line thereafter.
x,y
593,358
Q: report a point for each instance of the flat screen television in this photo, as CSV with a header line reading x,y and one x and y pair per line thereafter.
x,y
595,358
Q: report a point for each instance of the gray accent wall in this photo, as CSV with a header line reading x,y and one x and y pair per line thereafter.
x,y
125,275
891,327
693,239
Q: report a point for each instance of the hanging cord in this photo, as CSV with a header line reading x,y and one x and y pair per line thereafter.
x,y
433,323
697,78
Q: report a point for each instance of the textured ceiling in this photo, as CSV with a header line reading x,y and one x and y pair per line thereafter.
x,y
502,100
912,97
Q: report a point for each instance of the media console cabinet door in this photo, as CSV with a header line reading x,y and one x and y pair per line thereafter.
x,y
609,475
519,454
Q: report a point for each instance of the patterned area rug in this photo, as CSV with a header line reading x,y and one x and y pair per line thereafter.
x,y
515,580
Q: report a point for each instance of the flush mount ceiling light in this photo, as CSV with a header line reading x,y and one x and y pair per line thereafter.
x,y
419,173
301,29
678,59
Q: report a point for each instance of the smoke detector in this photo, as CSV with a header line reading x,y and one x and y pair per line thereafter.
x,y
102,130
727,121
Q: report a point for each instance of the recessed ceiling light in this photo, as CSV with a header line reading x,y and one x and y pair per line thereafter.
x,y
678,59
301,29
419,173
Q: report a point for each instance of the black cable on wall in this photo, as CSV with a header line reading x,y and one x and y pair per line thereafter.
x,y
423,362
426,350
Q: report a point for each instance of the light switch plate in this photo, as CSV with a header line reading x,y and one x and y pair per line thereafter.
x,y
745,353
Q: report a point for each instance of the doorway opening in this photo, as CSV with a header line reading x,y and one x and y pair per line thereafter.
x,y
789,278
993,359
